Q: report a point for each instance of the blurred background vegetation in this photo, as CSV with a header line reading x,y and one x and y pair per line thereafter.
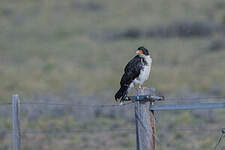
x,y
74,51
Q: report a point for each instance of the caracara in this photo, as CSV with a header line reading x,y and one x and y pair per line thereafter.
x,y
135,74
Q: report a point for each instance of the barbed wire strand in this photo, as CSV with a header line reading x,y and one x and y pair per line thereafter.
x,y
75,105
130,130
3,104
194,98
217,144
116,105
103,130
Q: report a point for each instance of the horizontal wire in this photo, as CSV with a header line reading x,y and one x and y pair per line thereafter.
x,y
197,130
116,105
79,131
107,105
3,104
71,131
74,105
194,98
107,130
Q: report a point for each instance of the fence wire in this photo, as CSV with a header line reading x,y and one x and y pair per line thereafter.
x,y
71,104
127,130
194,98
175,99
217,144
199,130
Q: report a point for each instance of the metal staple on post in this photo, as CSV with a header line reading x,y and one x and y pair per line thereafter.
x,y
16,122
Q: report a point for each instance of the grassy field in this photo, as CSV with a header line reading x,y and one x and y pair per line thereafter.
x,y
79,47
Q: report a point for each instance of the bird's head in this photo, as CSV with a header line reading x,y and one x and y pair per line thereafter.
x,y
142,51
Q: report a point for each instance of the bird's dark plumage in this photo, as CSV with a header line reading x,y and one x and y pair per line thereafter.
x,y
132,71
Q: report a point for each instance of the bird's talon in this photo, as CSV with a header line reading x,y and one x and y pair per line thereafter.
x,y
139,86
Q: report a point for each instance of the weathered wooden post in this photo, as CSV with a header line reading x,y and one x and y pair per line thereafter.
x,y
16,122
145,121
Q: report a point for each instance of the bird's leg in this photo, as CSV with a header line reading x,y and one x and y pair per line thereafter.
x,y
139,86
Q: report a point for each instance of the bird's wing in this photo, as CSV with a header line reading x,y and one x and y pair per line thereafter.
x,y
132,70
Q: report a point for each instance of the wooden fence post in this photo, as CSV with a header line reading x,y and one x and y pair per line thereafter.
x,y
145,122
16,122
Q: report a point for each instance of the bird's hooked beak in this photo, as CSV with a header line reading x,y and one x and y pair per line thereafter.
x,y
139,52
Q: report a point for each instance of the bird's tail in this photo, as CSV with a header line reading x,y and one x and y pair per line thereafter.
x,y
121,93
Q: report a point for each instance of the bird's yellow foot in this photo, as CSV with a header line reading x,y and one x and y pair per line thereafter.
x,y
139,86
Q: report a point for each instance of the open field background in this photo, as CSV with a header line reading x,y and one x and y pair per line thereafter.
x,y
74,51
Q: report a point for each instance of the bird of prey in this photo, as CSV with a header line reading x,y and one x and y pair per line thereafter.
x,y
135,74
